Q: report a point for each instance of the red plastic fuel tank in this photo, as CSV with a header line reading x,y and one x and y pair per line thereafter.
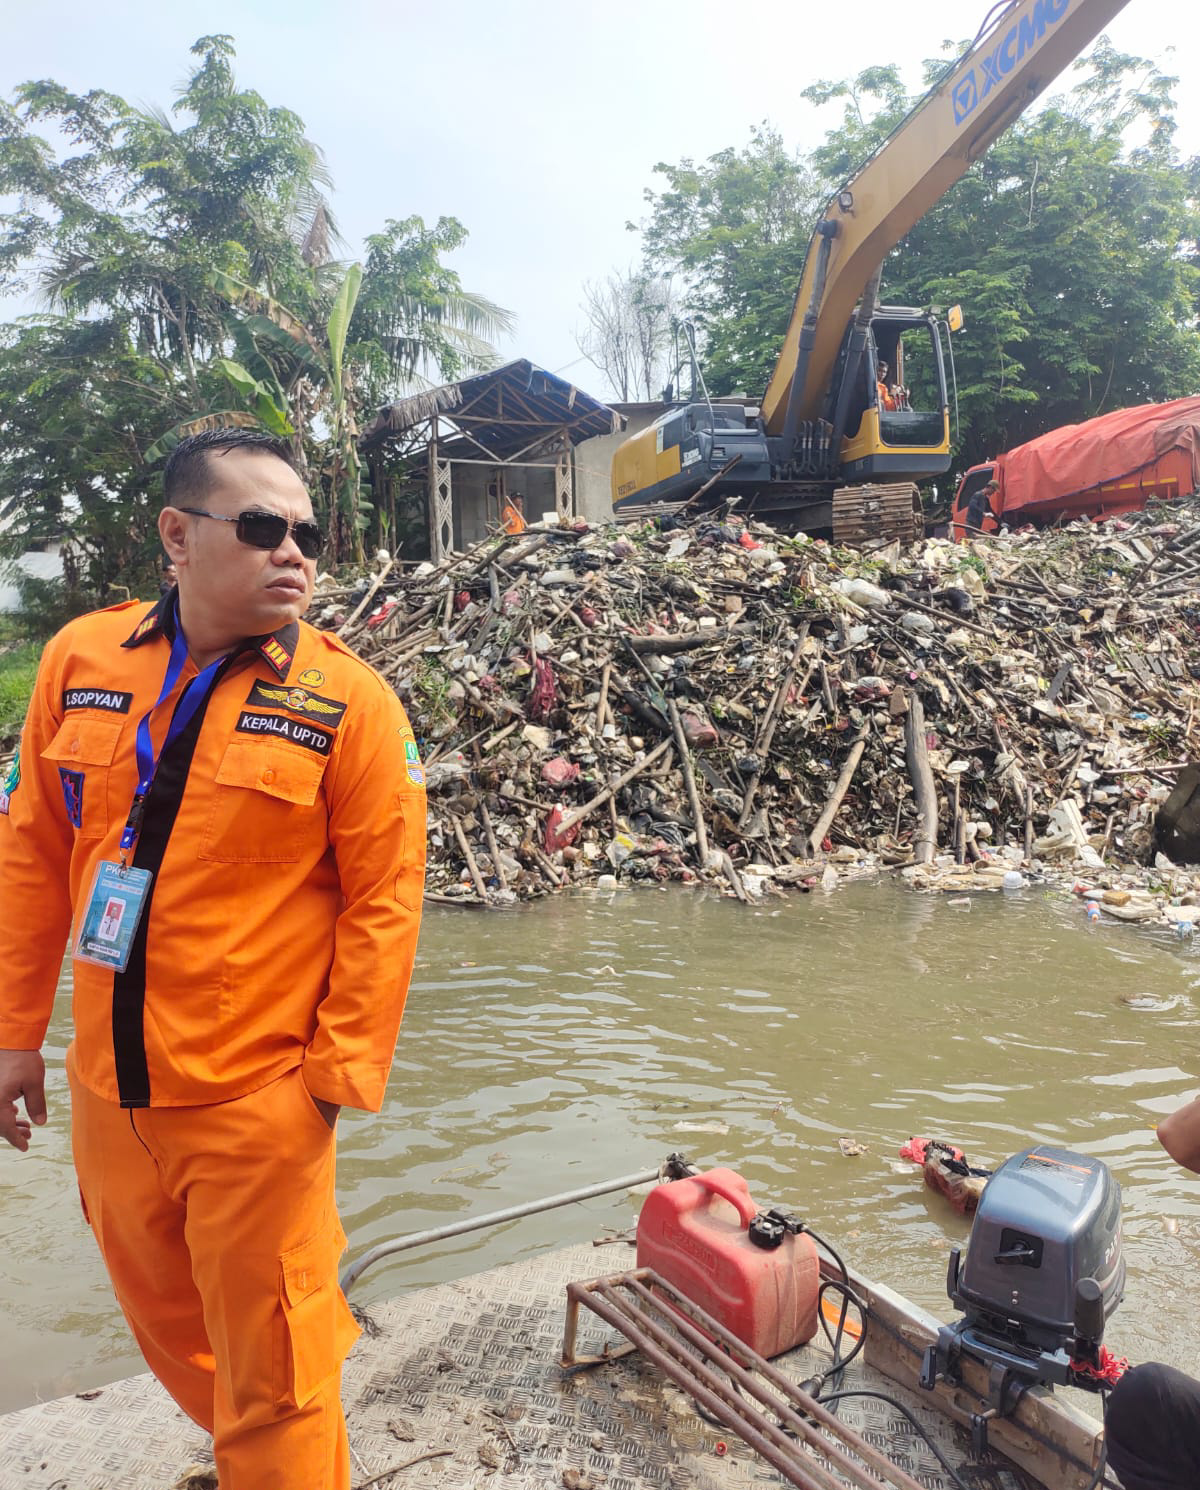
x,y
693,1233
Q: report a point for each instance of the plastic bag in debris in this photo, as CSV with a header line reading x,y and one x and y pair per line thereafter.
x,y
553,838
697,730
560,772
619,850
862,592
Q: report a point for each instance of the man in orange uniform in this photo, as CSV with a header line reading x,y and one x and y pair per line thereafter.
x,y
231,808
886,395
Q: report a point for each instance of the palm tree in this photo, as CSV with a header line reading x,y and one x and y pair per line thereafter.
x,y
356,338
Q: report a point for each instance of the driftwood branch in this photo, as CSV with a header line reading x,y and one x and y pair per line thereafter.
x,y
665,646
493,847
689,781
600,798
386,1474
917,754
372,591
829,811
469,857
773,716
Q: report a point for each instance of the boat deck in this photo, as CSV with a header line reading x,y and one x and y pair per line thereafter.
x,y
468,1371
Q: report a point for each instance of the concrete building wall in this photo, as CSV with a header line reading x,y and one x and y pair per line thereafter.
x,y
593,462
40,565
475,517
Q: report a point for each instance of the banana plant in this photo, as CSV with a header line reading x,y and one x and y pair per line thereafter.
x,y
345,476
281,364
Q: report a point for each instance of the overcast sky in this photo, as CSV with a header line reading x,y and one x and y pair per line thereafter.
x,y
538,125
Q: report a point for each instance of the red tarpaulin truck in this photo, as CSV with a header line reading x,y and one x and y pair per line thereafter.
x,y
1108,465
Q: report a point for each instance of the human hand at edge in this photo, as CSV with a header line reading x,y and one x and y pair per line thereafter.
x,y
1179,1134
22,1074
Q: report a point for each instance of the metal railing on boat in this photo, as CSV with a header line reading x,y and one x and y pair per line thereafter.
x,y
674,1167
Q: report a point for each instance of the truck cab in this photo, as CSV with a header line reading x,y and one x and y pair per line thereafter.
x,y
974,479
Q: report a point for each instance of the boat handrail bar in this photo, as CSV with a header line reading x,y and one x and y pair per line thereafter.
x,y
494,1218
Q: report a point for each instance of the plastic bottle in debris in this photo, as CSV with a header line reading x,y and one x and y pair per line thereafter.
x,y
1092,910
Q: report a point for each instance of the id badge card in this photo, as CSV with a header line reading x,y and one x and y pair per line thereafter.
x,y
111,918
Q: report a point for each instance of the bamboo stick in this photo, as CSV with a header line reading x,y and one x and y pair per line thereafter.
x,y
1029,821
773,716
602,705
372,591
917,754
548,869
689,781
956,823
599,800
465,849
829,811
493,847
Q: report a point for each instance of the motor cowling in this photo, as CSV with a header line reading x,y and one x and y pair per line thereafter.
x,y
1044,1267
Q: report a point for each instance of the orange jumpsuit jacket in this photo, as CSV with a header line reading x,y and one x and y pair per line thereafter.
x,y
285,830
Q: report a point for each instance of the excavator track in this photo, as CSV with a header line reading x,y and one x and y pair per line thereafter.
x,y
852,516
871,514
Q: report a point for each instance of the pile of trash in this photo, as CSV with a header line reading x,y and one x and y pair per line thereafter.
x,y
700,698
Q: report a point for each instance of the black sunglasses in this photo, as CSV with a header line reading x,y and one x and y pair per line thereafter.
x,y
268,530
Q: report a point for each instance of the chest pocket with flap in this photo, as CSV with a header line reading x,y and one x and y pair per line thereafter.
x,y
265,804
83,750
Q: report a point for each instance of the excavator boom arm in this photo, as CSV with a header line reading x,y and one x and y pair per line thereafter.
x,y
974,102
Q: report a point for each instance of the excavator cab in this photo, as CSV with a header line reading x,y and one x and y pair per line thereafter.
x,y
905,433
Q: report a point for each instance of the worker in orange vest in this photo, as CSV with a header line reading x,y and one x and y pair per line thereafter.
x,y
887,399
512,515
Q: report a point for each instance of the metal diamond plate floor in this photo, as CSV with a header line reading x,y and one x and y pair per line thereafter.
x,y
470,1368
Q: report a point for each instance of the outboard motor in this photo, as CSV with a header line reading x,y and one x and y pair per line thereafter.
x,y
1044,1270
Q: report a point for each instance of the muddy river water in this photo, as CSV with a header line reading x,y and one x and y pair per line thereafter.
x,y
573,1040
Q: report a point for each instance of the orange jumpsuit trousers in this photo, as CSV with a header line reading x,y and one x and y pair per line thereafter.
x,y
219,1231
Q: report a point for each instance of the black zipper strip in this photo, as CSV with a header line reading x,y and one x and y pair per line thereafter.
x,y
129,987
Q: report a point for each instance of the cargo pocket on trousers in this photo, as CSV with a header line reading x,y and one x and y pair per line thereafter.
x,y
318,1328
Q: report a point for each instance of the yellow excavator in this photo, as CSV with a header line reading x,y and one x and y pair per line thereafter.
x,y
836,445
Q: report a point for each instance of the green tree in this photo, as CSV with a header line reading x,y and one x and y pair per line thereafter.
x,y
1072,251
350,339
189,262
734,229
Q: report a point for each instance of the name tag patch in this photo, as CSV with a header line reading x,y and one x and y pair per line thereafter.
x,y
96,698
72,789
282,727
301,701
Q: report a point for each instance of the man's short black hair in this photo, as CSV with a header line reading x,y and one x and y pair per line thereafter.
x,y
187,479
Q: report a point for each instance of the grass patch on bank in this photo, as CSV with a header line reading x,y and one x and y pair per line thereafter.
x,y
18,669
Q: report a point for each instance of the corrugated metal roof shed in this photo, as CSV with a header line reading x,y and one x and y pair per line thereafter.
x,y
508,412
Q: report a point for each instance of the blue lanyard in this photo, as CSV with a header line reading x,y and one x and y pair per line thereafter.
x,y
147,762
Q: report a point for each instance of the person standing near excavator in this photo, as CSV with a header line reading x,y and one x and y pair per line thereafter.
x,y
230,807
